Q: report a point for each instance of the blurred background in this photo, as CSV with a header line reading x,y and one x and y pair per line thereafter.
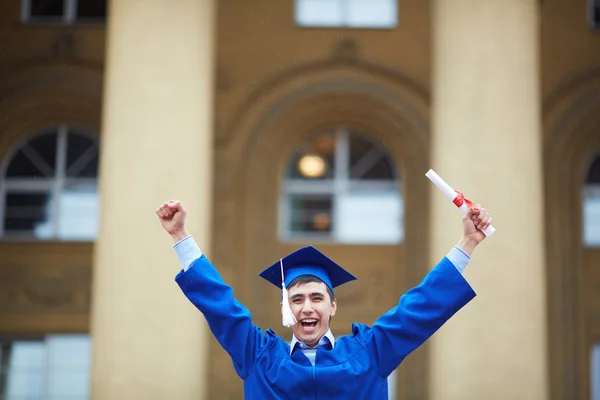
x,y
282,123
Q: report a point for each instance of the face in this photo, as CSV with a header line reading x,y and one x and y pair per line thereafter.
x,y
312,308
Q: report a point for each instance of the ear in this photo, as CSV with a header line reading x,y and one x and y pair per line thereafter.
x,y
333,307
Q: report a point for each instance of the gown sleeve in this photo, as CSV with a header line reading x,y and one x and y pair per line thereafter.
x,y
420,312
228,319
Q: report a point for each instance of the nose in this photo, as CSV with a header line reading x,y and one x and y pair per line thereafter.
x,y
307,307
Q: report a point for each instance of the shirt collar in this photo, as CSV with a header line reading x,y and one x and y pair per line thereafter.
x,y
328,337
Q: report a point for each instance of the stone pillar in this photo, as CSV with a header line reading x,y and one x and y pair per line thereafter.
x,y
156,144
487,143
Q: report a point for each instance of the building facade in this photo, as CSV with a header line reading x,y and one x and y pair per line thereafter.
x,y
286,123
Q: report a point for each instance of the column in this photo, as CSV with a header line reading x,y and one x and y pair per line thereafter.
x,y
487,143
156,144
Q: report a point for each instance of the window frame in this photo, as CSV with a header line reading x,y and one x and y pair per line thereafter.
x,y
339,185
344,23
69,16
593,6
591,189
53,185
46,371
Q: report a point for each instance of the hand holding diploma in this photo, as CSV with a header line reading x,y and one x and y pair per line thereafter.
x,y
456,197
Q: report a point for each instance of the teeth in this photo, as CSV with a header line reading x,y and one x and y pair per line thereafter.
x,y
308,321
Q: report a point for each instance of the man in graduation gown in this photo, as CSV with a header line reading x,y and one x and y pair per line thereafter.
x,y
317,365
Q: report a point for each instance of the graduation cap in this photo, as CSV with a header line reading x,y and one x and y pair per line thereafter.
x,y
305,261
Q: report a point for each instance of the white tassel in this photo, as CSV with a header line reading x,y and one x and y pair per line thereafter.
x,y
288,318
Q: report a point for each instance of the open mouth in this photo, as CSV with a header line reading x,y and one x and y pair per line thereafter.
x,y
309,323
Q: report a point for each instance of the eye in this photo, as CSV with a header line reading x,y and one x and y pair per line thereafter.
x,y
317,298
297,300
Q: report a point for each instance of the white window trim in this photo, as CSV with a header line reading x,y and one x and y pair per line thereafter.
x,y
40,185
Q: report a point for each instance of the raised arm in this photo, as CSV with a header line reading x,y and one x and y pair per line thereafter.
x,y
424,309
229,321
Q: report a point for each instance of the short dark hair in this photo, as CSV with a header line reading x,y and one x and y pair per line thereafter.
x,y
307,279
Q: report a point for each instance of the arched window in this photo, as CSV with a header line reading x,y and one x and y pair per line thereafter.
x,y
48,187
341,187
591,204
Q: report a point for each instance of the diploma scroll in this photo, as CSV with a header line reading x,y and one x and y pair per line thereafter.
x,y
456,197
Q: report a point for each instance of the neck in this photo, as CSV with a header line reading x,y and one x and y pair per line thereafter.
x,y
318,340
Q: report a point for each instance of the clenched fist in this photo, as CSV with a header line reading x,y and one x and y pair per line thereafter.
x,y
172,218
474,222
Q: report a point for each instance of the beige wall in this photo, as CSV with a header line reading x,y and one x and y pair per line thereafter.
x,y
259,41
48,75
148,341
55,74
36,43
44,287
487,143
278,83
570,79
569,47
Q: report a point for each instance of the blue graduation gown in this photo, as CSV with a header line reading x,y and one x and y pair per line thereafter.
x,y
358,365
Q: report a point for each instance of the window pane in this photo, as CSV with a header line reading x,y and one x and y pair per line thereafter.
x,y
319,12
313,160
68,366
368,162
369,217
28,214
392,382
54,204
25,372
382,170
91,9
88,170
78,212
591,216
372,13
45,147
594,13
56,368
21,166
595,372
82,156
366,209
591,205
36,158
310,214
47,8
593,175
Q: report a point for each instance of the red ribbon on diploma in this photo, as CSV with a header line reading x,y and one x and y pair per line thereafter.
x,y
460,199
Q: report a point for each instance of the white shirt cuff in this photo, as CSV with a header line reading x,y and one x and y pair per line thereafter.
x,y
187,251
459,258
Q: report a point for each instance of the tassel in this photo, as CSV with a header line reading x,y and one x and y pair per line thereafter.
x,y
288,318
